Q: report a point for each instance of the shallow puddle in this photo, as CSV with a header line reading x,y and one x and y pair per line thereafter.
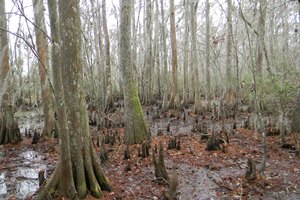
x,y
20,180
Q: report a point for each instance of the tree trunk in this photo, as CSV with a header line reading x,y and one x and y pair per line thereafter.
x,y
185,90
207,56
173,103
261,36
156,51
148,54
9,131
165,56
41,43
67,183
194,6
136,128
83,171
98,98
229,46
4,51
109,102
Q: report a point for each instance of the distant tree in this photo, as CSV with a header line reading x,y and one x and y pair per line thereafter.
x,y
42,49
261,35
196,78
229,46
79,164
207,52
173,103
185,90
164,57
109,102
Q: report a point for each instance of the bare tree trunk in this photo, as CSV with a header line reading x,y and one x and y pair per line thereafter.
x,y
99,65
156,52
261,36
185,90
148,54
194,7
136,129
85,164
173,103
9,131
207,51
229,46
165,56
41,43
109,102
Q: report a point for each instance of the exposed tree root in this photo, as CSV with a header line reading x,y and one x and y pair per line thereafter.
x,y
94,180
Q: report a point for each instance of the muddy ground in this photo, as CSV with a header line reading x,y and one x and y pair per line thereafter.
x,y
202,174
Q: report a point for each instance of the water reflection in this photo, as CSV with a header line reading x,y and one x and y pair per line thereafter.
x,y
20,181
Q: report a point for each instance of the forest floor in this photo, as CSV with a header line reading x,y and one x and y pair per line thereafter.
x,y
202,174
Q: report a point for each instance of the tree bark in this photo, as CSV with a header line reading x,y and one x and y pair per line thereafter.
x,y
41,43
136,128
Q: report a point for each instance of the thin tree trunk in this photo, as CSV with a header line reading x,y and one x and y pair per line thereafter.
x,y
185,90
109,102
99,65
41,43
173,103
261,36
148,54
229,46
165,56
156,51
207,51
194,7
